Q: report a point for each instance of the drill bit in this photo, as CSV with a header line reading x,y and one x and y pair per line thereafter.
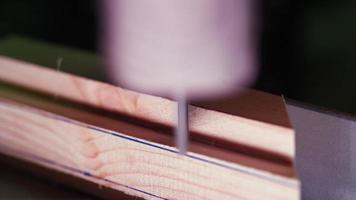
x,y
181,135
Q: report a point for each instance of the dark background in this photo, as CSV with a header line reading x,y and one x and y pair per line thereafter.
x,y
307,48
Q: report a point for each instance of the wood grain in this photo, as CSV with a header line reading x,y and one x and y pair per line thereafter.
x,y
130,164
276,138
132,129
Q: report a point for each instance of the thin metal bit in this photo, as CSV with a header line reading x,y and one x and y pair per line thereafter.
x,y
182,126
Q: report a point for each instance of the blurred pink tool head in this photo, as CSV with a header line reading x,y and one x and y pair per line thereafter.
x,y
199,49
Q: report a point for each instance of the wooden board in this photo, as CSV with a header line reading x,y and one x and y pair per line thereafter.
x,y
241,151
